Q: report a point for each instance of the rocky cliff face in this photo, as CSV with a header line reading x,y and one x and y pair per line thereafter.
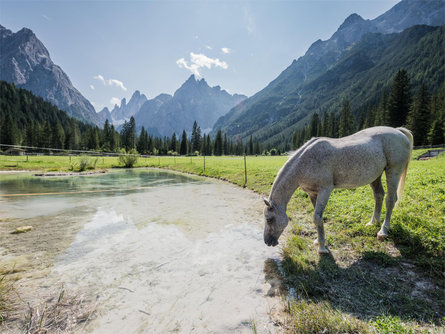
x,y
26,62
122,113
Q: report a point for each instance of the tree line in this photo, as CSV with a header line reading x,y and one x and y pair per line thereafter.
x,y
423,113
28,120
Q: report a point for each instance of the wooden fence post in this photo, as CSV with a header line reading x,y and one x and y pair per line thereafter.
x,y
245,171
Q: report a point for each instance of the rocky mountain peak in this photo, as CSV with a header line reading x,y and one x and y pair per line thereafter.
x,y
351,20
26,62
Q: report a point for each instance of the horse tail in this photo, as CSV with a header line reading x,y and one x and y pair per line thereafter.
x,y
409,135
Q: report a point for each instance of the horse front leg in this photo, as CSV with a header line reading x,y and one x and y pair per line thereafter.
x,y
320,205
392,182
379,195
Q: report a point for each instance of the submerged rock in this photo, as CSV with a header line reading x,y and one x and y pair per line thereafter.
x,y
22,229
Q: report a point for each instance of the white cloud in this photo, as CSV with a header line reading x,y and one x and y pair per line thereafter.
x,y
100,78
250,26
117,83
92,87
115,100
226,51
111,82
45,17
198,61
208,47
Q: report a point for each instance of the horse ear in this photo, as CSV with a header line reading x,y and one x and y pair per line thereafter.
x,y
268,203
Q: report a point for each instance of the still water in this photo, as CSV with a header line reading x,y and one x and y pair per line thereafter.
x,y
162,251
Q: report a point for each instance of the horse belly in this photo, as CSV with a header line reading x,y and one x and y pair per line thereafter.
x,y
356,170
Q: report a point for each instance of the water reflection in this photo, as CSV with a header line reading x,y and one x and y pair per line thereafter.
x,y
184,255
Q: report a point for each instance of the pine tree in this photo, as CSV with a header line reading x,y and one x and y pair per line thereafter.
x,y
347,124
399,100
57,136
9,132
196,138
436,134
183,148
314,126
132,135
173,143
113,139
325,125
381,115
46,139
209,146
250,151
418,120
218,146
107,135
257,149
142,145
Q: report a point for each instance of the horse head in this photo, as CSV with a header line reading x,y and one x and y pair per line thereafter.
x,y
276,222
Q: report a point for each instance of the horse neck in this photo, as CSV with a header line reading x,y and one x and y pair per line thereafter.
x,y
285,184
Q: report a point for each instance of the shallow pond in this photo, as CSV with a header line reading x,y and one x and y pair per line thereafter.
x,y
162,251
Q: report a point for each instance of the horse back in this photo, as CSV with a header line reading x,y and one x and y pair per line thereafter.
x,y
355,160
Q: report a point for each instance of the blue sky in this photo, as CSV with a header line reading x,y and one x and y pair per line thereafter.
x,y
109,49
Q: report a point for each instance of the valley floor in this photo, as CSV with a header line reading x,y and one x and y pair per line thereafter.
x,y
364,286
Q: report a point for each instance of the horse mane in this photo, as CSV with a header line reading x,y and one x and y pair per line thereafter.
x,y
293,155
302,148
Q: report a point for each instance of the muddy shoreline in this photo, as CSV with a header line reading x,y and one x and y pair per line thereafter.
x,y
55,174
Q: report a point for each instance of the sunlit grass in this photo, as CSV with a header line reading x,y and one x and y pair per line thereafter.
x,y
366,285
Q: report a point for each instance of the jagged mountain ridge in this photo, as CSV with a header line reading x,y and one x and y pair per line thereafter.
x,y
26,62
124,111
283,96
194,100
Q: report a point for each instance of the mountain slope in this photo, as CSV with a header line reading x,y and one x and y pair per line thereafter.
x,y
263,114
194,100
26,62
360,76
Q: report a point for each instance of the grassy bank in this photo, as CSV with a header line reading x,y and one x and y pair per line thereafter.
x,y
365,285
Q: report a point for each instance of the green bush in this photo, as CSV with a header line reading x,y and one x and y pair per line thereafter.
x,y
128,159
86,162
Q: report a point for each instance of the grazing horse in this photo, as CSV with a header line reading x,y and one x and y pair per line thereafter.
x,y
323,164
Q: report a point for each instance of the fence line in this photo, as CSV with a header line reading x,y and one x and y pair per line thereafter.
x,y
64,152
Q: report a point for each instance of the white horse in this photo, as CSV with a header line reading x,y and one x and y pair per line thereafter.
x,y
323,164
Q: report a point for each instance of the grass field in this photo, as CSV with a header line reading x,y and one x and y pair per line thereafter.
x,y
364,286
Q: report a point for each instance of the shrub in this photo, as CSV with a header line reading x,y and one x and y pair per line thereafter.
x,y
86,162
128,159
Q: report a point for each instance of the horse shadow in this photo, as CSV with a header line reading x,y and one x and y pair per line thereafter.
x,y
373,285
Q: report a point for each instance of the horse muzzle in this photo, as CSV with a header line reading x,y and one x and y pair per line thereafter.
x,y
270,241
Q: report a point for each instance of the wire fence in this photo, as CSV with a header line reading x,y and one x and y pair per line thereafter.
x,y
192,163
201,162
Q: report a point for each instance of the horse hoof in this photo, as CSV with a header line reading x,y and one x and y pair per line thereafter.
x,y
381,236
316,242
371,223
323,251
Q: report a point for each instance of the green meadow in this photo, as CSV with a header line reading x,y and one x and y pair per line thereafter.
x,y
364,285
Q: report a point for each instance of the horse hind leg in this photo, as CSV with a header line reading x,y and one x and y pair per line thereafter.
x,y
379,195
392,182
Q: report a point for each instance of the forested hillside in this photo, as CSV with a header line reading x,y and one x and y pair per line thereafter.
x,y
28,120
361,76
